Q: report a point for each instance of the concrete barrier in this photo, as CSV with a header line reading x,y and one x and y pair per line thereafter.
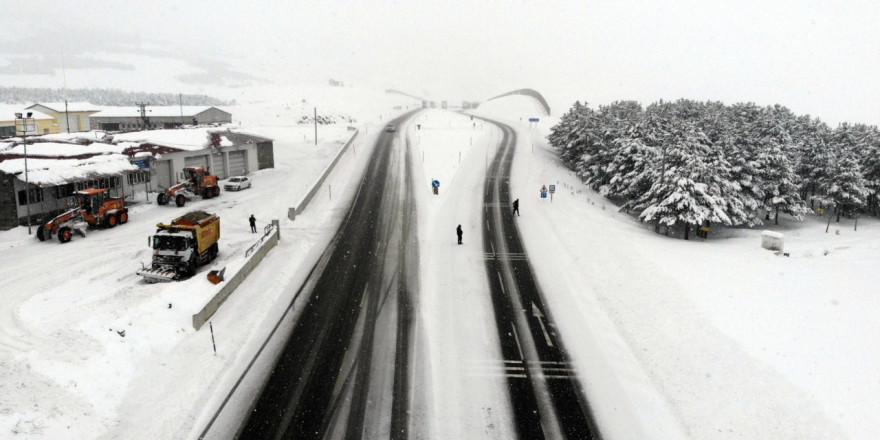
x,y
304,202
268,241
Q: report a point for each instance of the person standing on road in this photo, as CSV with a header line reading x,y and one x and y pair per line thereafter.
x,y
516,207
253,221
459,233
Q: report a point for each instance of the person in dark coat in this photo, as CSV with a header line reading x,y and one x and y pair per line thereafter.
x,y
516,207
459,233
253,221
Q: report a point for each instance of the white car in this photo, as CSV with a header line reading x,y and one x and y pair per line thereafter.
x,y
237,183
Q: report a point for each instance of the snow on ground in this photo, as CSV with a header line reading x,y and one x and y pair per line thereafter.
x,y
673,339
66,371
465,393
62,150
716,339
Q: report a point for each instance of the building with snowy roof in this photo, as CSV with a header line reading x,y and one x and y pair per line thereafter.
x,y
124,163
130,118
70,117
43,123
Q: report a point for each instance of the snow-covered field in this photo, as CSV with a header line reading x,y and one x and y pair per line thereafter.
x,y
673,339
714,339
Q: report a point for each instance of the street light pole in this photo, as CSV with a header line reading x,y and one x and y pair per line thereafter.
x,y
26,121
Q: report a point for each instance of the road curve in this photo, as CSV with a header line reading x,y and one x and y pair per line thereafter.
x,y
344,372
547,399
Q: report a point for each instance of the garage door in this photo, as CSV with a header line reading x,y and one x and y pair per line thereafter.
x,y
196,161
238,163
163,174
217,167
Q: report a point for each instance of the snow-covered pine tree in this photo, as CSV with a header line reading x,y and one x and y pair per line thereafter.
x,y
564,136
741,152
845,187
869,159
627,152
685,191
811,137
779,182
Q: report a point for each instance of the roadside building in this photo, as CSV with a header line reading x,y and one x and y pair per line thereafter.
x,y
124,163
43,123
130,118
54,172
69,117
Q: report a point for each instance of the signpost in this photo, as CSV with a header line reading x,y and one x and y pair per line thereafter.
x,y
436,185
543,191
552,190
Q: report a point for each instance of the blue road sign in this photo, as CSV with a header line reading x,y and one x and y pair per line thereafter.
x,y
435,184
533,119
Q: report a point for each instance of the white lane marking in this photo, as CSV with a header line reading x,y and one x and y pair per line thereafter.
x,y
536,312
516,336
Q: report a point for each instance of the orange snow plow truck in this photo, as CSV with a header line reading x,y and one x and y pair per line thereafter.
x,y
197,182
95,209
181,247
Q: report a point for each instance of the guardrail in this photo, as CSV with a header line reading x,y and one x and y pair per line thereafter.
x,y
304,202
271,235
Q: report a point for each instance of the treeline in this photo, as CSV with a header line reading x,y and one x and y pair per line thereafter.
x,y
102,97
688,163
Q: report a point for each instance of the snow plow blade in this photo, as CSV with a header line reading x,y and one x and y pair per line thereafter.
x,y
158,276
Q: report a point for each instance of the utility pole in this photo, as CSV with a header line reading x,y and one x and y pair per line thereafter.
x,y
180,101
27,123
67,117
143,110
316,126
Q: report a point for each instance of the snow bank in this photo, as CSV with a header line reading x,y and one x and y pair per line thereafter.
x,y
47,172
93,136
513,107
188,139
55,149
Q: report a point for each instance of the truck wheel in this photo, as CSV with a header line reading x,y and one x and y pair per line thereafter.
x,y
212,253
122,218
216,191
180,200
193,265
162,199
64,234
111,221
206,193
40,232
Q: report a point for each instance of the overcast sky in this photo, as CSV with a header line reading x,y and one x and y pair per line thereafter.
x,y
818,58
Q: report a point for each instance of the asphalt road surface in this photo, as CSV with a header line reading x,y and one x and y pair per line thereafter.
x,y
547,399
344,372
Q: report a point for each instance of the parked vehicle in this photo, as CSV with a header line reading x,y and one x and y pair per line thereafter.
x,y
390,127
197,182
181,247
95,209
237,183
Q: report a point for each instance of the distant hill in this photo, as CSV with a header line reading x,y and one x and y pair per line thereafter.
x,y
108,97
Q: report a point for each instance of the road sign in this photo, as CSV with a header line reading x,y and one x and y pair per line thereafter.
x,y
552,189
435,184
533,119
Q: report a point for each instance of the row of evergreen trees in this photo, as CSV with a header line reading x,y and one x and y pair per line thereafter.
x,y
103,97
688,163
